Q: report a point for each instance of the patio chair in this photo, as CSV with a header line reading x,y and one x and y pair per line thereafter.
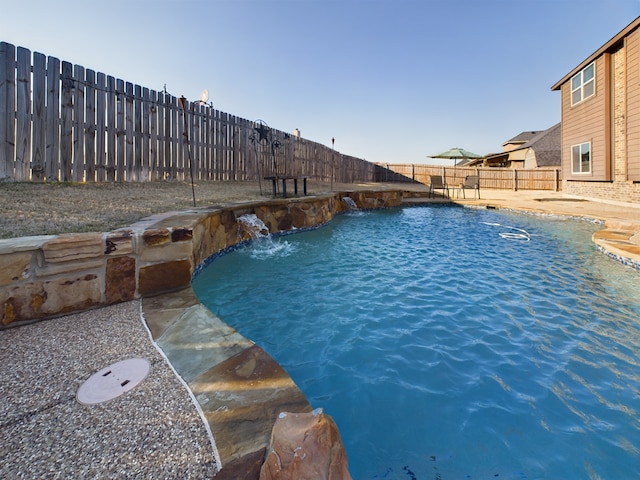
x,y
436,183
470,182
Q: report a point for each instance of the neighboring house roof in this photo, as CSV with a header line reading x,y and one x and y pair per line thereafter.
x,y
496,158
522,137
547,146
611,43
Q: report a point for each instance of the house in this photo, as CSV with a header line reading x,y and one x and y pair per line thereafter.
x,y
531,149
519,140
543,150
600,113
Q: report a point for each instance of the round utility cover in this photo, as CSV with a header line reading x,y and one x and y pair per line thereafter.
x,y
113,381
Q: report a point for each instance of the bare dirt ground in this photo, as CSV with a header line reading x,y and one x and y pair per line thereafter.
x,y
52,208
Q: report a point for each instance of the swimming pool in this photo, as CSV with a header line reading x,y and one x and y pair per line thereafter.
x,y
444,348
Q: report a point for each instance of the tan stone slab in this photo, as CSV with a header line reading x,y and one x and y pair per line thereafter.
x,y
119,242
84,265
185,219
241,399
612,235
23,244
23,303
73,246
167,251
162,311
156,236
619,243
14,267
71,294
199,340
624,224
164,277
179,299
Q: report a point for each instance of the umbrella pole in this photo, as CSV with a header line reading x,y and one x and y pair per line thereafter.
x,y
454,173
444,177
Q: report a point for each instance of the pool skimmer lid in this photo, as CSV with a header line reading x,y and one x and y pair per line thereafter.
x,y
113,381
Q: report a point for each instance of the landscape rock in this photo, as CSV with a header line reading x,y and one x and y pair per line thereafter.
x,y
120,279
14,267
164,277
73,246
305,446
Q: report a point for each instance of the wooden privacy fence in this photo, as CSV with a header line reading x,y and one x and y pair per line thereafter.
x,y
64,122
490,177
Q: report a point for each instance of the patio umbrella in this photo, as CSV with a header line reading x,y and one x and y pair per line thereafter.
x,y
456,154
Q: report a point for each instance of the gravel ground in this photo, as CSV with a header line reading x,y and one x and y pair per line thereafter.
x,y
153,431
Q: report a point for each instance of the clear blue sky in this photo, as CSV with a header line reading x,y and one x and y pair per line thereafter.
x,y
392,80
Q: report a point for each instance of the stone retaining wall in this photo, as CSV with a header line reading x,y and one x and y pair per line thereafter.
x,y
51,275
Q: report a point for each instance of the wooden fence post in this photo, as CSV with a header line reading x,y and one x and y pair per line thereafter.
x,y
137,134
155,152
90,127
78,125
8,108
112,129
39,118
129,132
52,142
101,127
66,127
23,115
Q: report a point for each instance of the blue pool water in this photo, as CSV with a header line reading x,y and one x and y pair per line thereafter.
x,y
450,343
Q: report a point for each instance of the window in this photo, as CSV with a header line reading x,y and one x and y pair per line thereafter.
x,y
581,158
583,84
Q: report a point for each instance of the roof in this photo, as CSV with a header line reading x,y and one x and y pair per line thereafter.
x,y
523,137
613,42
497,156
547,145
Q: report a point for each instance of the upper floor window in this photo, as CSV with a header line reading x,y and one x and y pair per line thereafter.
x,y
581,158
583,84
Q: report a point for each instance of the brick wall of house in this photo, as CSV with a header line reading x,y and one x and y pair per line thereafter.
x,y
619,134
617,191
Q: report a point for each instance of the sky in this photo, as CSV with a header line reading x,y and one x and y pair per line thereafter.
x,y
393,81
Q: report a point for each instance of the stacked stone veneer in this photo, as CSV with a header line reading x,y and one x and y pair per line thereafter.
x,y
50,275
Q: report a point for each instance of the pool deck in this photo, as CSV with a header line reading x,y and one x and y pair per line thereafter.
x,y
156,430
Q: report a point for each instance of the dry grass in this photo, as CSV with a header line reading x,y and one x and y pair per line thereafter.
x,y
53,208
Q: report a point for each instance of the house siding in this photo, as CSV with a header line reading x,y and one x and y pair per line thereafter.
x,y
530,159
587,121
610,120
